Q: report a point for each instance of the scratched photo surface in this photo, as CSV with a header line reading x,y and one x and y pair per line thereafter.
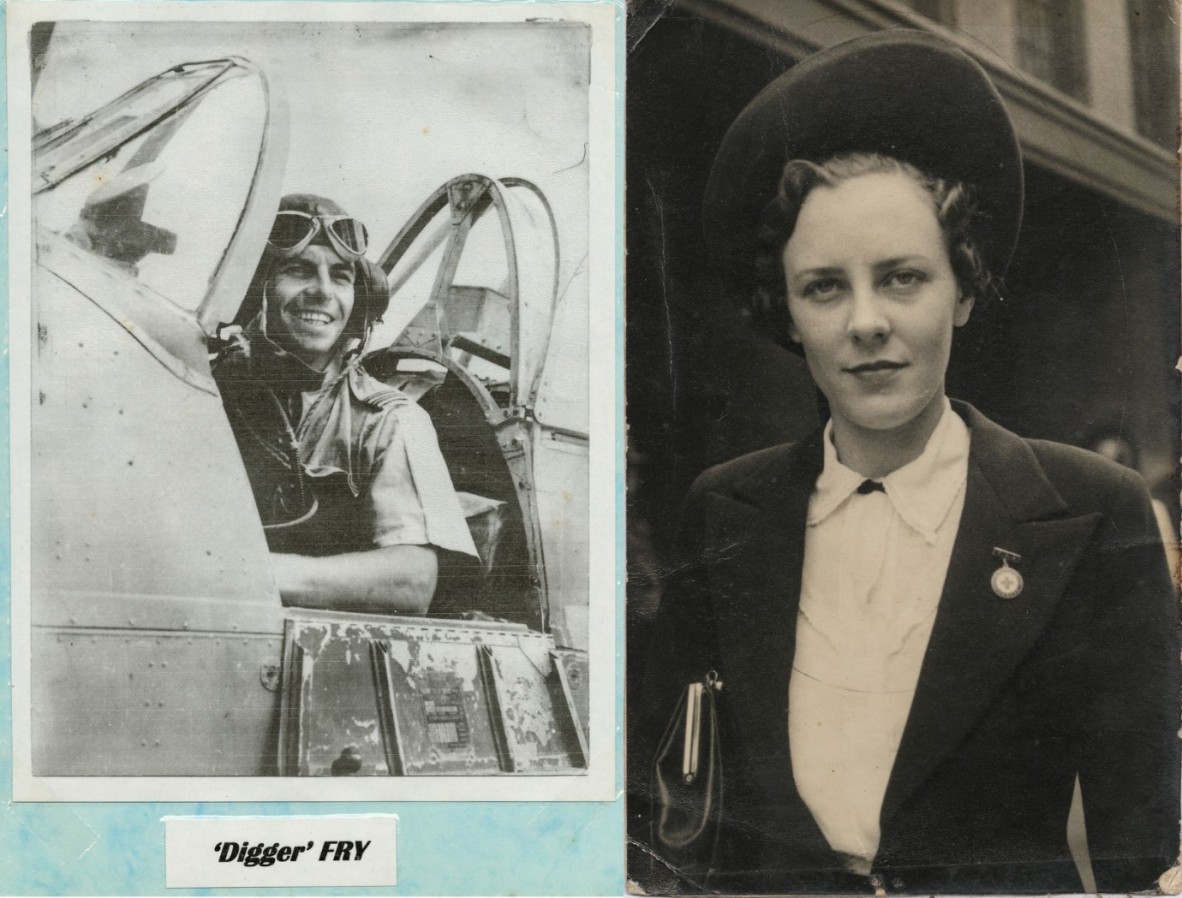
x,y
1080,349
310,490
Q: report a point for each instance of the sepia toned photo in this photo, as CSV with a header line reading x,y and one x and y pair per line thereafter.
x,y
312,449
902,340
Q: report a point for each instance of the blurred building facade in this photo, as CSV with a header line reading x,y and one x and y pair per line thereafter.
x,y
1087,334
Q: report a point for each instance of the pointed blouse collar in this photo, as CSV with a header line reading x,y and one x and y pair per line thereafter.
x,y
922,492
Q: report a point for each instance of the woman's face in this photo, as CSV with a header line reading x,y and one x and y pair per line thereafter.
x,y
873,300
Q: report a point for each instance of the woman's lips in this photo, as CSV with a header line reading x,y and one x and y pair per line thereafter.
x,y
875,371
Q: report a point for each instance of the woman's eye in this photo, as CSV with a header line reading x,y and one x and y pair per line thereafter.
x,y
823,288
343,277
903,278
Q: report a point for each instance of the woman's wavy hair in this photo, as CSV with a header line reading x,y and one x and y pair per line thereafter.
x,y
955,211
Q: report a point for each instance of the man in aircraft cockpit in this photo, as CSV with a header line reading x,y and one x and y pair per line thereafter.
x,y
354,495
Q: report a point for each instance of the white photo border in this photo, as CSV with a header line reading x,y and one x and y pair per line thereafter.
x,y
601,781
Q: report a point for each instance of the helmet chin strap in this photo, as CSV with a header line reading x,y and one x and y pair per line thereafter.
x,y
367,325
264,311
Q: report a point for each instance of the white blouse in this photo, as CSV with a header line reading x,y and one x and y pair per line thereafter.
x,y
874,569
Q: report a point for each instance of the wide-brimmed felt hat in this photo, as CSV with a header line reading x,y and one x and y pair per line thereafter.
x,y
902,93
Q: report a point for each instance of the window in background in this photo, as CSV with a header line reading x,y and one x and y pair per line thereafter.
x,y
1051,46
1153,42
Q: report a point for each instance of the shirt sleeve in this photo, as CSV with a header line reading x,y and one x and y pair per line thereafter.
x,y
414,502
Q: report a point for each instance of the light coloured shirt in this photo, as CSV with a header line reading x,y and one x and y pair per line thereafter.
x,y
874,569
373,433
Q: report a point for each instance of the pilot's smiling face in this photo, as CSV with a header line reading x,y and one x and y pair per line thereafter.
x,y
309,301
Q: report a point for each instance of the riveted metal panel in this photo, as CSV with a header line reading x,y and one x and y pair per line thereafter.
x,y
138,486
578,682
154,703
560,478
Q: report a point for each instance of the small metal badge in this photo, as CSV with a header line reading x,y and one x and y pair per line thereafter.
x,y
1007,583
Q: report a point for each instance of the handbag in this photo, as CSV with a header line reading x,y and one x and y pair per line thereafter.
x,y
688,781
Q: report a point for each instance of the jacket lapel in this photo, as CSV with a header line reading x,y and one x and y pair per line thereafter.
x,y
979,638
758,535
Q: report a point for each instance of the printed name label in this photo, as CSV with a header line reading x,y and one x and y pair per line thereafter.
x,y
346,850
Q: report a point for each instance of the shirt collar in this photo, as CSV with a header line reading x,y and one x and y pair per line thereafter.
x,y
922,492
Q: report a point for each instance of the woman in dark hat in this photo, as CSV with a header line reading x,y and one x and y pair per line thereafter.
x,y
353,492
890,650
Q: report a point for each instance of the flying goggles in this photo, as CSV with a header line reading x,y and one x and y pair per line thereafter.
x,y
294,231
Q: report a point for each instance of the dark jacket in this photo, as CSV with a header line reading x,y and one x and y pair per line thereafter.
x,y
1078,675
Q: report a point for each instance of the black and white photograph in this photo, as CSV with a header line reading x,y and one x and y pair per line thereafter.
x,y
320,479
903,438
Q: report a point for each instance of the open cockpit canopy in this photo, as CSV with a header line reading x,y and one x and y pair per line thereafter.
x,y
139,183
